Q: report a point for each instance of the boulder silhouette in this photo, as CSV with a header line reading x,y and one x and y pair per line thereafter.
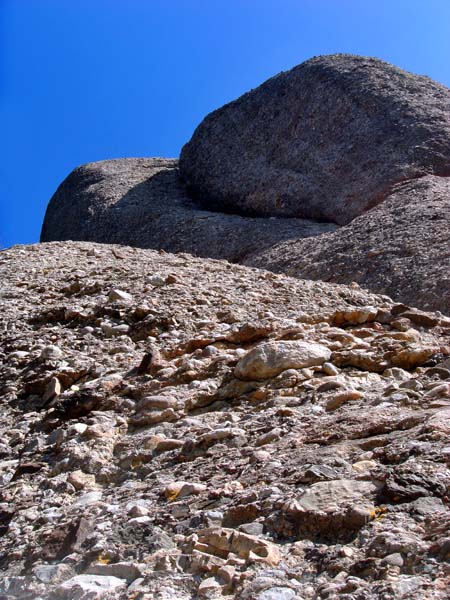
x,y
326,140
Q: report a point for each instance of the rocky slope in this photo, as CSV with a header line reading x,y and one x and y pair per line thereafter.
x,y
183,428
143,202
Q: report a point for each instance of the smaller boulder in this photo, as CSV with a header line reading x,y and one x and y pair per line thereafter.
x,y
90,587
270,359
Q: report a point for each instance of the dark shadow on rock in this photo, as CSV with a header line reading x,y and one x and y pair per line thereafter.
x,y
98,202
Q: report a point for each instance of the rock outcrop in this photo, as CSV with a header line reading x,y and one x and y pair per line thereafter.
x,y
143,202
400,248
326,140
343,138
139,458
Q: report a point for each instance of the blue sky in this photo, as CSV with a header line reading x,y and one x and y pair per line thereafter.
x,y
85,80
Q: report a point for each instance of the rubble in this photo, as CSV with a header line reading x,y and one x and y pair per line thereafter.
x,y
241,435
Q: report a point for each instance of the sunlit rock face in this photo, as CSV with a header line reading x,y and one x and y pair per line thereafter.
x,y
325,140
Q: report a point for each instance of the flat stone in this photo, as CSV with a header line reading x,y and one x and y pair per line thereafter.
x,y
88,499
119,296
90,587
123,570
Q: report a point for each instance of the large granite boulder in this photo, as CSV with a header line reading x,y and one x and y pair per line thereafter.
x,y
400,248
326,140
143,202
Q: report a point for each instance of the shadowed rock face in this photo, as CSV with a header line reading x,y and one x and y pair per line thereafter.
x,y
142,202
325,140
400,248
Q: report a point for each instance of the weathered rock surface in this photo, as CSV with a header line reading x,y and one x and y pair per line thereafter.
x,y
336,137
400,248
155,472
143,202
326,140
268,360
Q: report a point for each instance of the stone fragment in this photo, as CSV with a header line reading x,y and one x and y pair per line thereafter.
x,y
208,585
340,398
267,438
354,316
394,560
123,570
81,480
53,573
88,499
90,587
331,508
412,357
222,541
277,593
168,444
330,369
270,359
119,296
182,489
364,466
51,353
153,417
52,390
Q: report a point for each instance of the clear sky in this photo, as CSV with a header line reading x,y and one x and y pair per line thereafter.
x,y
85,80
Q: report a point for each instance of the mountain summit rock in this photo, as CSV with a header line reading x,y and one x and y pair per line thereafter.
x,y
326,140
337,170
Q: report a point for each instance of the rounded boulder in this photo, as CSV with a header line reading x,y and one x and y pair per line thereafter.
x,y
326,140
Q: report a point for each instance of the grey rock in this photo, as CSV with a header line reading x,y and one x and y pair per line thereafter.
x,y
51,353
53,573
277,593
394,560
122,570
252,528
143,202
90,587
400,248
326,140
270,359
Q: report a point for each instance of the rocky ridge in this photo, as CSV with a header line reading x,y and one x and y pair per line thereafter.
x,y
175,427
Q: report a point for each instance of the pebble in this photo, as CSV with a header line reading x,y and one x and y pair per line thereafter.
x,y
51,353
119,296
87,499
